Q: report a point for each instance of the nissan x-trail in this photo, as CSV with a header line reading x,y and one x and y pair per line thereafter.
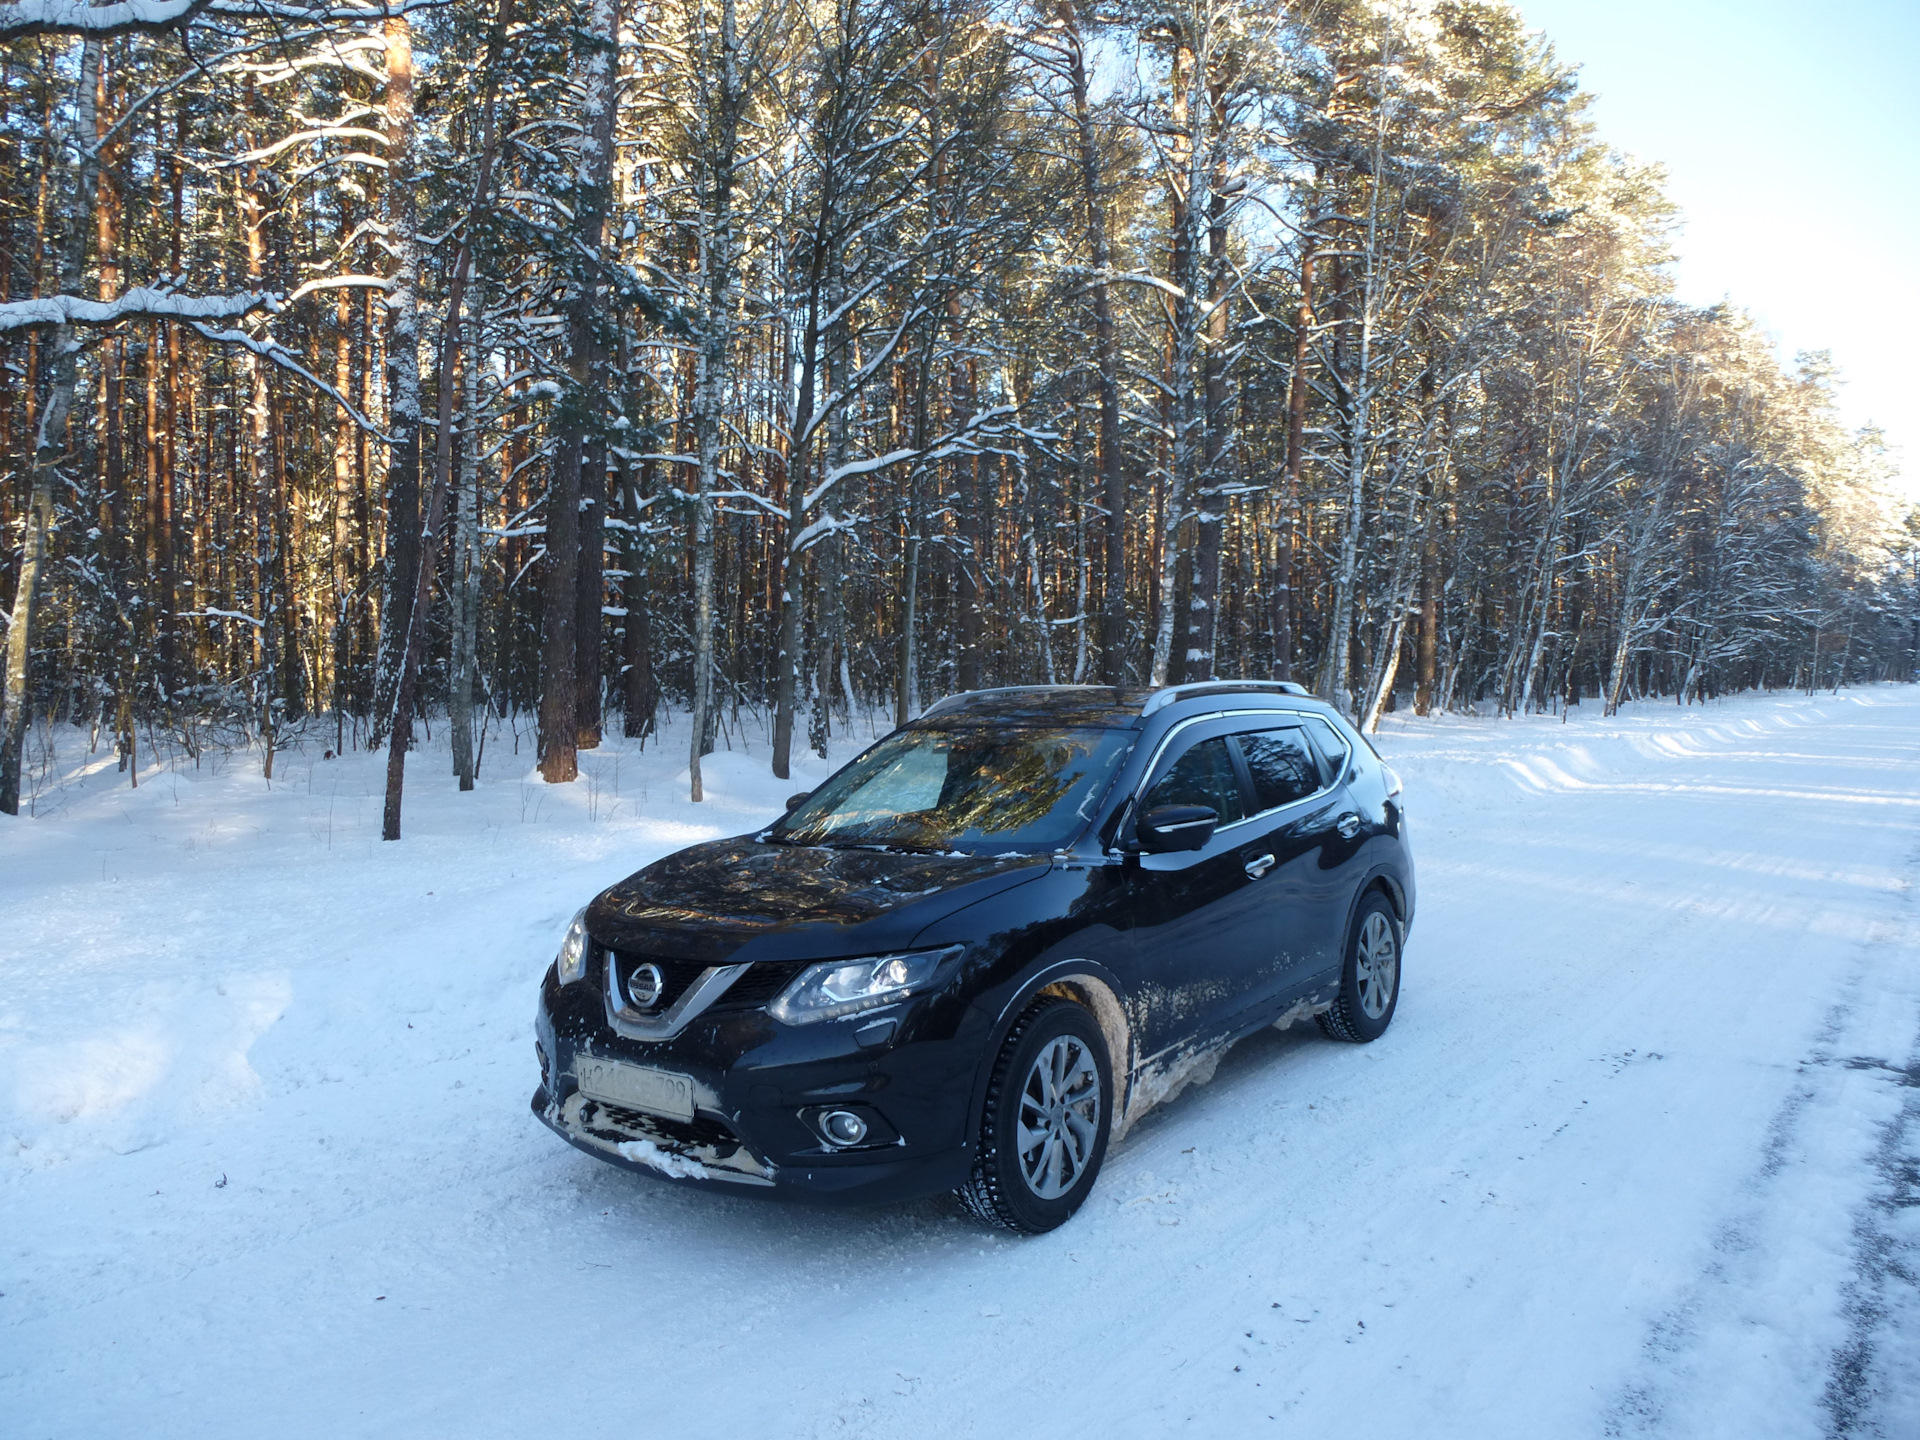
x,y
978,952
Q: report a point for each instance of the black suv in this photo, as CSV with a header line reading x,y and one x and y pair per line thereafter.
x,y
984,947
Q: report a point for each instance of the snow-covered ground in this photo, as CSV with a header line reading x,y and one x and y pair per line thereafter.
x,y
1640,1155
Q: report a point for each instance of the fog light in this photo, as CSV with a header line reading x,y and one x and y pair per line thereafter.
x,y
843,1127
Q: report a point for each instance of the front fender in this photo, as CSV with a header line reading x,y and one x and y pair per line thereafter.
x,y
1056,931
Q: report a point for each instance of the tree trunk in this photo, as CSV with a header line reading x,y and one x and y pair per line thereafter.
x,y
159,519
260,471
166,580
1190,206
50,442
1113,478
345,449
1335,674
638,692
587,451
1303,323
466,557
1203,597
970,577
415,639
906,694
1429,635
701,537
590,595
710,379
786,680
559,728
401,572
828,649
830,555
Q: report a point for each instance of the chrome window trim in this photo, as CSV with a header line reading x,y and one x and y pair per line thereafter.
x,y
1291,717
707,987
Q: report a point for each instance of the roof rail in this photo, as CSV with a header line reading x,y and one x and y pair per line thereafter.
x,y
1160,699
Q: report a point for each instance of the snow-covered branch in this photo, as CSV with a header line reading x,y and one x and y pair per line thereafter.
x,y
278,354
143,302
341,282
856,467
26,18
23,19
211,614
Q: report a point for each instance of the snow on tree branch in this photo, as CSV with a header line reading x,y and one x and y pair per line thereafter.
x,y
143,302
23,19
278,354
26,18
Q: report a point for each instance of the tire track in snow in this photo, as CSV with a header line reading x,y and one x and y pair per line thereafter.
x,y
1873,1385
1770,1260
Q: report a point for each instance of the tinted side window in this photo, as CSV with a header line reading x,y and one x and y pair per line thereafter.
x,y
1332,744
1202,776
1282,767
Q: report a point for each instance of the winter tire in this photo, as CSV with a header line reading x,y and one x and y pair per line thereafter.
x,y
1370,978
1044,1130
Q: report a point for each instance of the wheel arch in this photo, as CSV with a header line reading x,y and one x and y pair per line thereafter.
x,y
1382,881
1088,984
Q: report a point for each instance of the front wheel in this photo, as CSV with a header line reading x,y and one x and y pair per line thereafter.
x,y
1044,1131
1370,979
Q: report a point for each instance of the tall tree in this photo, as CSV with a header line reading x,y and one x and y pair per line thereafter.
x,y
50,441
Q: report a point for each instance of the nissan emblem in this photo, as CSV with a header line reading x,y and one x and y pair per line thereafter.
x,y
644,986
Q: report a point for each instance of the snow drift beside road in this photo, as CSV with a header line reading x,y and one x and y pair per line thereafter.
x,y
1636,1158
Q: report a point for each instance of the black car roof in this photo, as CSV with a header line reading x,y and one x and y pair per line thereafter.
x,y
1109,705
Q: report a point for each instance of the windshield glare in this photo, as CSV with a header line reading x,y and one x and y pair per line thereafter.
x,y
1004,789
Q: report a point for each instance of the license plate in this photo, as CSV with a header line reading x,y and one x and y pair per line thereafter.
x,y
658,1092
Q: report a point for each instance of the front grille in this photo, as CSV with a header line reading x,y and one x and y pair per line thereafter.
x,y
764,980
677,975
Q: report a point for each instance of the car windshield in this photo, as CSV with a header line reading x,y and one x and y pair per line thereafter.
x,y
965,788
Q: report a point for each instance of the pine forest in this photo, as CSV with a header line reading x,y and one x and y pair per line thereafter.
x,y
546,370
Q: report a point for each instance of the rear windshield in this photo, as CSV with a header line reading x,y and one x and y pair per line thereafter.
x,y
970,788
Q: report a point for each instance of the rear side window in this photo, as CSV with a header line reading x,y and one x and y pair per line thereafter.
x,y
1333,745
1282,767
1204,775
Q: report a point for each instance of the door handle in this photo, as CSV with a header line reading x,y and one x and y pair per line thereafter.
x,y
1257,868
1348,825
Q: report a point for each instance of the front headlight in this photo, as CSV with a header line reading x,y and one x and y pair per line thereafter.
x,y
846,987
571,963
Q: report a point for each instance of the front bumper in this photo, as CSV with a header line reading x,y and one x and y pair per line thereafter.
x,y
755,1084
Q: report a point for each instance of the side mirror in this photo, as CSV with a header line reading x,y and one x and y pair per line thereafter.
x,y
794,802
1167,828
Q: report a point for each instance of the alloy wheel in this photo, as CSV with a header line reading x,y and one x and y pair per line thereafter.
x,y
1377,966
1059,1117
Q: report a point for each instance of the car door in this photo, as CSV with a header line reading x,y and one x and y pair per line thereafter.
x,y
1200,937
1298,846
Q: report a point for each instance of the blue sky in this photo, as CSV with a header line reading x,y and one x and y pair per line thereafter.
x,y
1791,132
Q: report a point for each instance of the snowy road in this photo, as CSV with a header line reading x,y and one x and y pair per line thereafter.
x,y
1640,1155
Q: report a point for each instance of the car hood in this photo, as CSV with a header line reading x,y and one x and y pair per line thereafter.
x,y
740,900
